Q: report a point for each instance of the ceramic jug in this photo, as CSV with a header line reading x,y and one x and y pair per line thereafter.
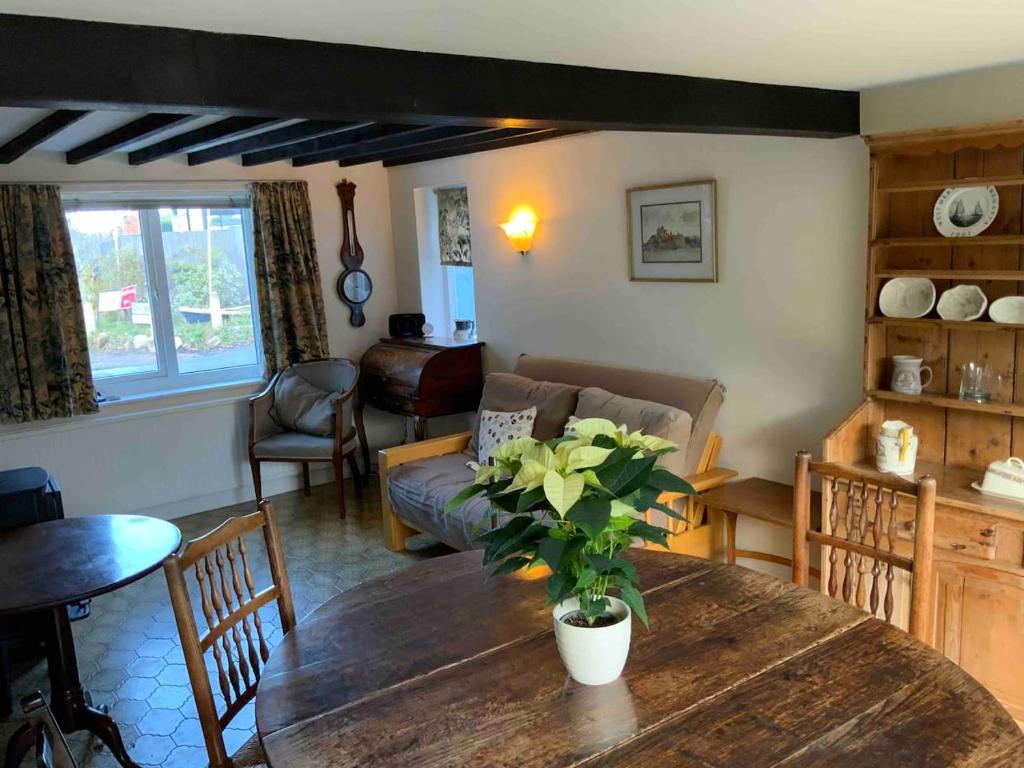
x,y
896,448
906,374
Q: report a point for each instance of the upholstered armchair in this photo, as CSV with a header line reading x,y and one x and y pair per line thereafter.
x,y
268,441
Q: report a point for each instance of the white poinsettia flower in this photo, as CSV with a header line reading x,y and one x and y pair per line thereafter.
x,y
591,428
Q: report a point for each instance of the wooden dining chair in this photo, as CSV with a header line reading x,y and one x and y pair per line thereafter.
x,y
52,750
235,636
868,522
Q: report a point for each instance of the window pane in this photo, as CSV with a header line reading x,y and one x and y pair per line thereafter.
x,y
208,279
462,290
115,291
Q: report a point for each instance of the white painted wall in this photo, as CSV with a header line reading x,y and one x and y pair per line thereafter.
x,y
783,329
965,98
186,457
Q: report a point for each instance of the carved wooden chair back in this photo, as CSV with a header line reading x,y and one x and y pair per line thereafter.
x,y
235,635
865,529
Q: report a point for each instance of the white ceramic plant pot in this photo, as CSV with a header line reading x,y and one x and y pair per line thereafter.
x,y
593,655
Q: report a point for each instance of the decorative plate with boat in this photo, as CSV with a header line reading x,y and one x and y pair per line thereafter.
x,y
966,211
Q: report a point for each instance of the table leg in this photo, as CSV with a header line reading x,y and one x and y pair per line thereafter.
x,y
730,537
71,703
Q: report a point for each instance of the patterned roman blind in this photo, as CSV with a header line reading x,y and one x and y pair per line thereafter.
x,y
453,227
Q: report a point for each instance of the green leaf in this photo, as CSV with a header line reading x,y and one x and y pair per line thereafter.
x,y
512,564
586,578
559,586
634,475
631,596
562,492
667,510
462,497
528,499
604,441
499,539
649,533
550,551
600,563
591,515
664,480
625,568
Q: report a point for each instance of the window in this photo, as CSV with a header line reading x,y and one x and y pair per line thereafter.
x,y
167,293
461,300
445,256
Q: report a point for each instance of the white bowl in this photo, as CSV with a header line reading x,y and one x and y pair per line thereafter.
x,y
1009,309
907,297
962,302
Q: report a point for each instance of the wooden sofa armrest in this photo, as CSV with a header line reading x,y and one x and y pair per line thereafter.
x,y
424,449
396,530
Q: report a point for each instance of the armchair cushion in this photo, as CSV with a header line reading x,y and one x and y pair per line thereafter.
x,y
508,392
301,407
297,445
650,417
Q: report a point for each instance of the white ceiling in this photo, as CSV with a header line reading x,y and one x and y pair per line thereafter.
x,y
827,43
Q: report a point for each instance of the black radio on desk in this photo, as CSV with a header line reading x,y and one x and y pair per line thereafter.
x,y
406,325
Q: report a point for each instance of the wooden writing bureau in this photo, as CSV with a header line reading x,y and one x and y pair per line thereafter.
x,y
419,377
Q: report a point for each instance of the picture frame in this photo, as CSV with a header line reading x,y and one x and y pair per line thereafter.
x,y
672,232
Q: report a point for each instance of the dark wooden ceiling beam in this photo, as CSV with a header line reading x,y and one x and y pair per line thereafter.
x,y
483,146
121,137
358,157
173,70
222,130
357,133
32,137
423,136
289,134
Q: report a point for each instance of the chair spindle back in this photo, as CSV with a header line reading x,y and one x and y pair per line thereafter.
x,y
863,509
230,603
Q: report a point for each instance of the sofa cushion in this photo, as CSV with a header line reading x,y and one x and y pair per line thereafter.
x,y
419,490
508,392
497,427
301,407
649,417
701,398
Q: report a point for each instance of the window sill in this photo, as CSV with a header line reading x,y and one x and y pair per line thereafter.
x,y
145,405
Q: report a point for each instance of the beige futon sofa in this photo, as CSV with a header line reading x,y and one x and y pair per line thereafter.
x,y
418,479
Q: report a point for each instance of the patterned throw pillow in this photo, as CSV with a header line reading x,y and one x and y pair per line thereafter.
x,y
498,427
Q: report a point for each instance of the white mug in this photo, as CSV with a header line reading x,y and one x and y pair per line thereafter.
x,y
906,374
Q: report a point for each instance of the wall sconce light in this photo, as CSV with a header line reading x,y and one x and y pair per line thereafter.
x,y
520,228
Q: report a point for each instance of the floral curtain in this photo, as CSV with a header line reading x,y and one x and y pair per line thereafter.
x,y
44,352
453,227
291,302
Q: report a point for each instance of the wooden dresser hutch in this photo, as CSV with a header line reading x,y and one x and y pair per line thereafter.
x,y
979,540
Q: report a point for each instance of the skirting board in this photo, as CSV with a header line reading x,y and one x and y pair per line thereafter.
x,y
319,474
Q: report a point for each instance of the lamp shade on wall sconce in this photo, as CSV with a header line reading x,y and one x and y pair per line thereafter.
x,y
520,227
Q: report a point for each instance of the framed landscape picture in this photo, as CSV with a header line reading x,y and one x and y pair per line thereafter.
x,y
672,232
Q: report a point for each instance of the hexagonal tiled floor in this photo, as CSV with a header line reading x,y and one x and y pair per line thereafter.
x,y
128,649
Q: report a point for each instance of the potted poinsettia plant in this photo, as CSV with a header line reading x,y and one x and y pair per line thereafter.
x,y
574,504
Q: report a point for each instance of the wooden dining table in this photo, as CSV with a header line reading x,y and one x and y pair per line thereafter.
x,y
436,665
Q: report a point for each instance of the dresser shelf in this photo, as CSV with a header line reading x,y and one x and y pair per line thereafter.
x,y
972,275
939,184
938,322
946,242
945,401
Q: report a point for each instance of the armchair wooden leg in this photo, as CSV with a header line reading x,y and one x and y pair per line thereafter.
x,y
257,482
339,479
305,478
353,465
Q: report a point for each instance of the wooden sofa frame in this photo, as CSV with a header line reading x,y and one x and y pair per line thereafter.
x,y
700,535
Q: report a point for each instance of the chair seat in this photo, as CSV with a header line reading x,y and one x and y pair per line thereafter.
x,y
250,754
299,445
